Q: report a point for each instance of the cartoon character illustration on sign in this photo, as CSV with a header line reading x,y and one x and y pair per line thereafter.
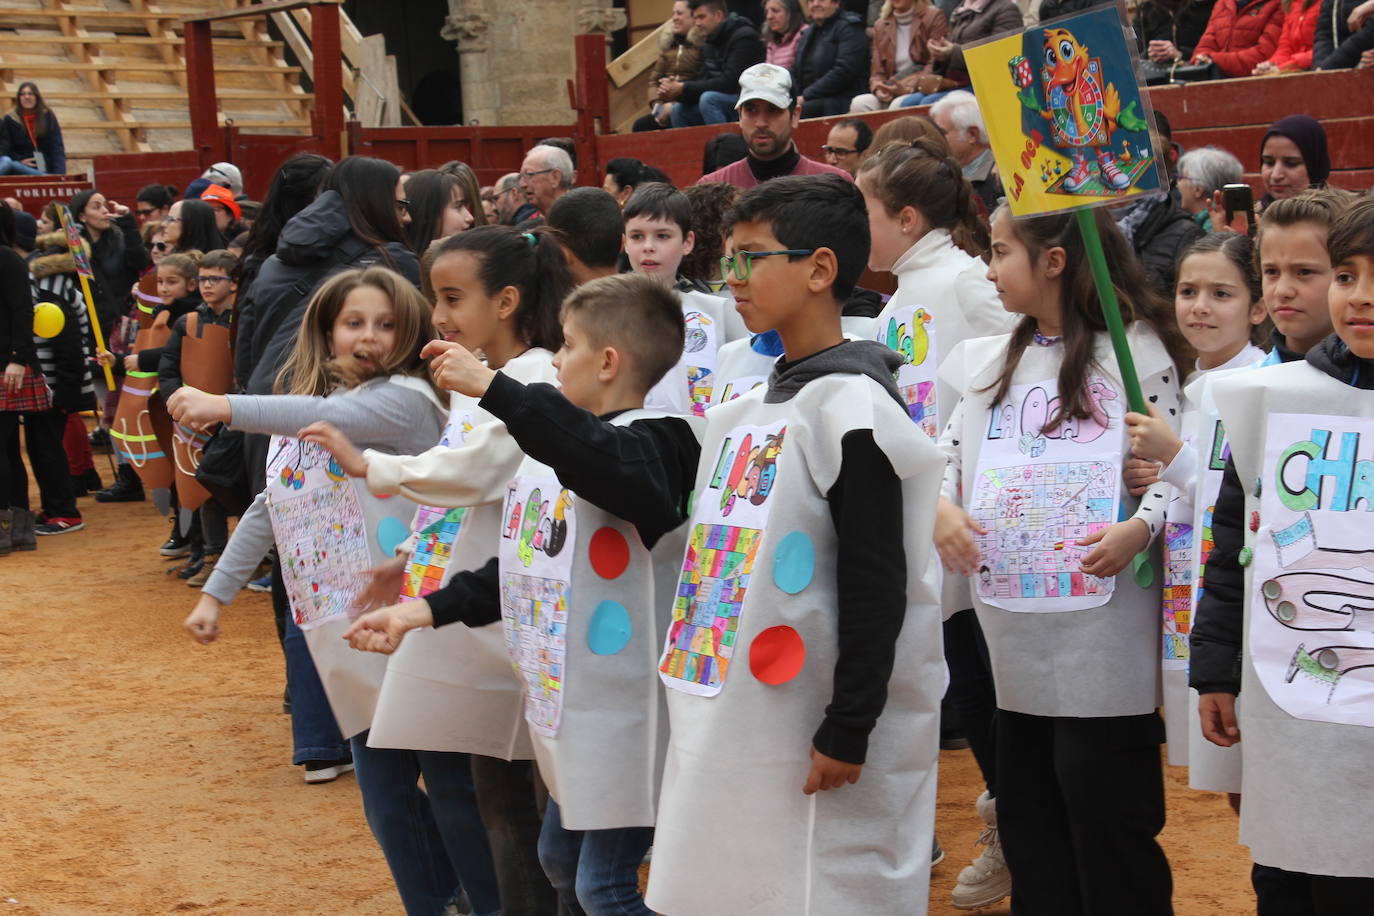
x,y
912,342
1082,111
695,325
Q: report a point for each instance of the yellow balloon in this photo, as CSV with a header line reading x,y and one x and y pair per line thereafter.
x,y
48,319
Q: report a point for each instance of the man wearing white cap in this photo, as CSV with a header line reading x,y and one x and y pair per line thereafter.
x,y
767,116
226,175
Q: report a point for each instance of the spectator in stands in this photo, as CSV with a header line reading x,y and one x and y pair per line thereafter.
x,y
117,252
511,205
679,58
1201,173
1337,21
30,138
767,116
190,226
709,203
961,121
1159,230
228,213
1356,49
153,202
1293,158
1169,30
545,175
1294,51
438,208
846,144
625,173
731,44
784,24
971,21
225,174
902,62
1240,34
832,60
721,150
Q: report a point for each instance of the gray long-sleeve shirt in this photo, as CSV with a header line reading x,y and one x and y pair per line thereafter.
x,y
399,415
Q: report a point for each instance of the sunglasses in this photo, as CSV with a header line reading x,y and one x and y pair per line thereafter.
x,y
159,246
146,211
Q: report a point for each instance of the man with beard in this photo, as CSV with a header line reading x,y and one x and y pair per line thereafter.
x,y
767,116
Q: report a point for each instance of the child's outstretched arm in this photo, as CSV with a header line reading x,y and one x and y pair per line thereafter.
x,y
866,509
247,545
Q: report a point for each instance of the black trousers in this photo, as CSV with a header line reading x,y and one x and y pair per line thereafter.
x,y
971,693
1291,893
43,434
1079,804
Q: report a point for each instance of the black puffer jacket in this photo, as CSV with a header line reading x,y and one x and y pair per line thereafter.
x,y
732,48
1181,22
314,245
117,260
1161,238
832,59
16,312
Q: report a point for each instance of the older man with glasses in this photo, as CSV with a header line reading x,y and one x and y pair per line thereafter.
x,y
545,175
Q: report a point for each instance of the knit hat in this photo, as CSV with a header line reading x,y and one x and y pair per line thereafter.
x,y
79,201
222,196
25,230
225,174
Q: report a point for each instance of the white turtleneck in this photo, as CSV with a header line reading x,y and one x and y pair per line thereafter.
x,y
903,64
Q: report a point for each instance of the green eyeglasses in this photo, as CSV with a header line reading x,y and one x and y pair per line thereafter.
x,y
741,264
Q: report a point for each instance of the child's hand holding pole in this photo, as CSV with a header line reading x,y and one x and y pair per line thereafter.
x,y
455,368
328,437
1151,436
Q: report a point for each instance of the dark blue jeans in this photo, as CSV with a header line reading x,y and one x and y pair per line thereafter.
x,y
314,731
598,868
433,838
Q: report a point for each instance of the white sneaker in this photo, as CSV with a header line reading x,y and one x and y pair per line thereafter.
x,y
986,880
317,771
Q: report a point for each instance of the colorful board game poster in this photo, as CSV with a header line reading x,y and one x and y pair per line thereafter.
x,y
910,331
728,521
536,583
436,528
321,535
1178,594
1067,117
1312,618
1038,490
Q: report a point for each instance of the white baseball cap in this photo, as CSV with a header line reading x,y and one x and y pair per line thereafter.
x,y
769,82
227,175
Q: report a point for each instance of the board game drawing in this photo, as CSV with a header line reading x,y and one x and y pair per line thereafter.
x,y
322,545
910,331
1178,593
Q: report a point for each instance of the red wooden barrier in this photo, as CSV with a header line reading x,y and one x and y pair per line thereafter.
x,y
491,151
34,191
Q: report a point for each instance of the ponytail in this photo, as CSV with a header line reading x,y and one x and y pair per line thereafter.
x,y
532,262
921,174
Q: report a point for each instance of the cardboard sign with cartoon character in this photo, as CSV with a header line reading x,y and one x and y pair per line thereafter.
x,y
1067,117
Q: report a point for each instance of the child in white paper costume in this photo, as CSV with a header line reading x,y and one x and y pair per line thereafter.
x,y
658,235
1272,619
594,533
804,649
1036,446
924,227
356,364
1219,304
496,290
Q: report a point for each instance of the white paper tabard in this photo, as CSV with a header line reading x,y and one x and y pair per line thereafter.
x,y
536,582
1038,491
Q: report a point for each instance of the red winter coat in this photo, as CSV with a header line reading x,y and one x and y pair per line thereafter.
x,y
1240,34
1299,32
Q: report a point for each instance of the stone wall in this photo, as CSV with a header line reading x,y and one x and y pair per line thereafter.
x,y
516,56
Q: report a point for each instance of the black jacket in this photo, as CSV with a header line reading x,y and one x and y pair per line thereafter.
x,y
1181,22
315,244
1219,622
1347,54
1331,29
732,48
169,366
16,143
66,358
16,312
1166,232
832,59
117,260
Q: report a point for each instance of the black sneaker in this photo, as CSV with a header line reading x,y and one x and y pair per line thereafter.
x,y
127,488
176,546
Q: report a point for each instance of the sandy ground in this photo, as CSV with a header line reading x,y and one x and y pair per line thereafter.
x,y
144,774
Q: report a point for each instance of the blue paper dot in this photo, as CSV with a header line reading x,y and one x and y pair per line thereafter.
x,y
610,628
794,562
390,533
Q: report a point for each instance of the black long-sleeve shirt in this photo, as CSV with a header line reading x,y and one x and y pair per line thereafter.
x,y
639,472
149,359
169,363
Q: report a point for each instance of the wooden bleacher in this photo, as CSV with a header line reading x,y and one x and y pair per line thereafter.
x,y
114,71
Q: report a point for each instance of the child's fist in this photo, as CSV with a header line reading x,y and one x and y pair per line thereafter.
x,y
455,368
197,409
829,773
203,621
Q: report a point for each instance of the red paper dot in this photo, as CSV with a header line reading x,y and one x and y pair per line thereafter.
x,y
776,655
609,553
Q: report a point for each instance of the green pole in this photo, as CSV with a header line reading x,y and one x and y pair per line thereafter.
x,y
1111,309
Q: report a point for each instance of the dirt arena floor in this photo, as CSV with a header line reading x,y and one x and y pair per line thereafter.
x,y
141,773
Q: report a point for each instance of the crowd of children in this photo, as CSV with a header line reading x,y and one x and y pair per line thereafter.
x,y
584,563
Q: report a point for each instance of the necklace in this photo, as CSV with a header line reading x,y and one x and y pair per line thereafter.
x,y
1043,341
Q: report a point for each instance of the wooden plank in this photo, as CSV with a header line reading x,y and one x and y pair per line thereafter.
x,y
1265,99
635,61
368,99
1350,141
256,9
129,66
135,96
141,40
